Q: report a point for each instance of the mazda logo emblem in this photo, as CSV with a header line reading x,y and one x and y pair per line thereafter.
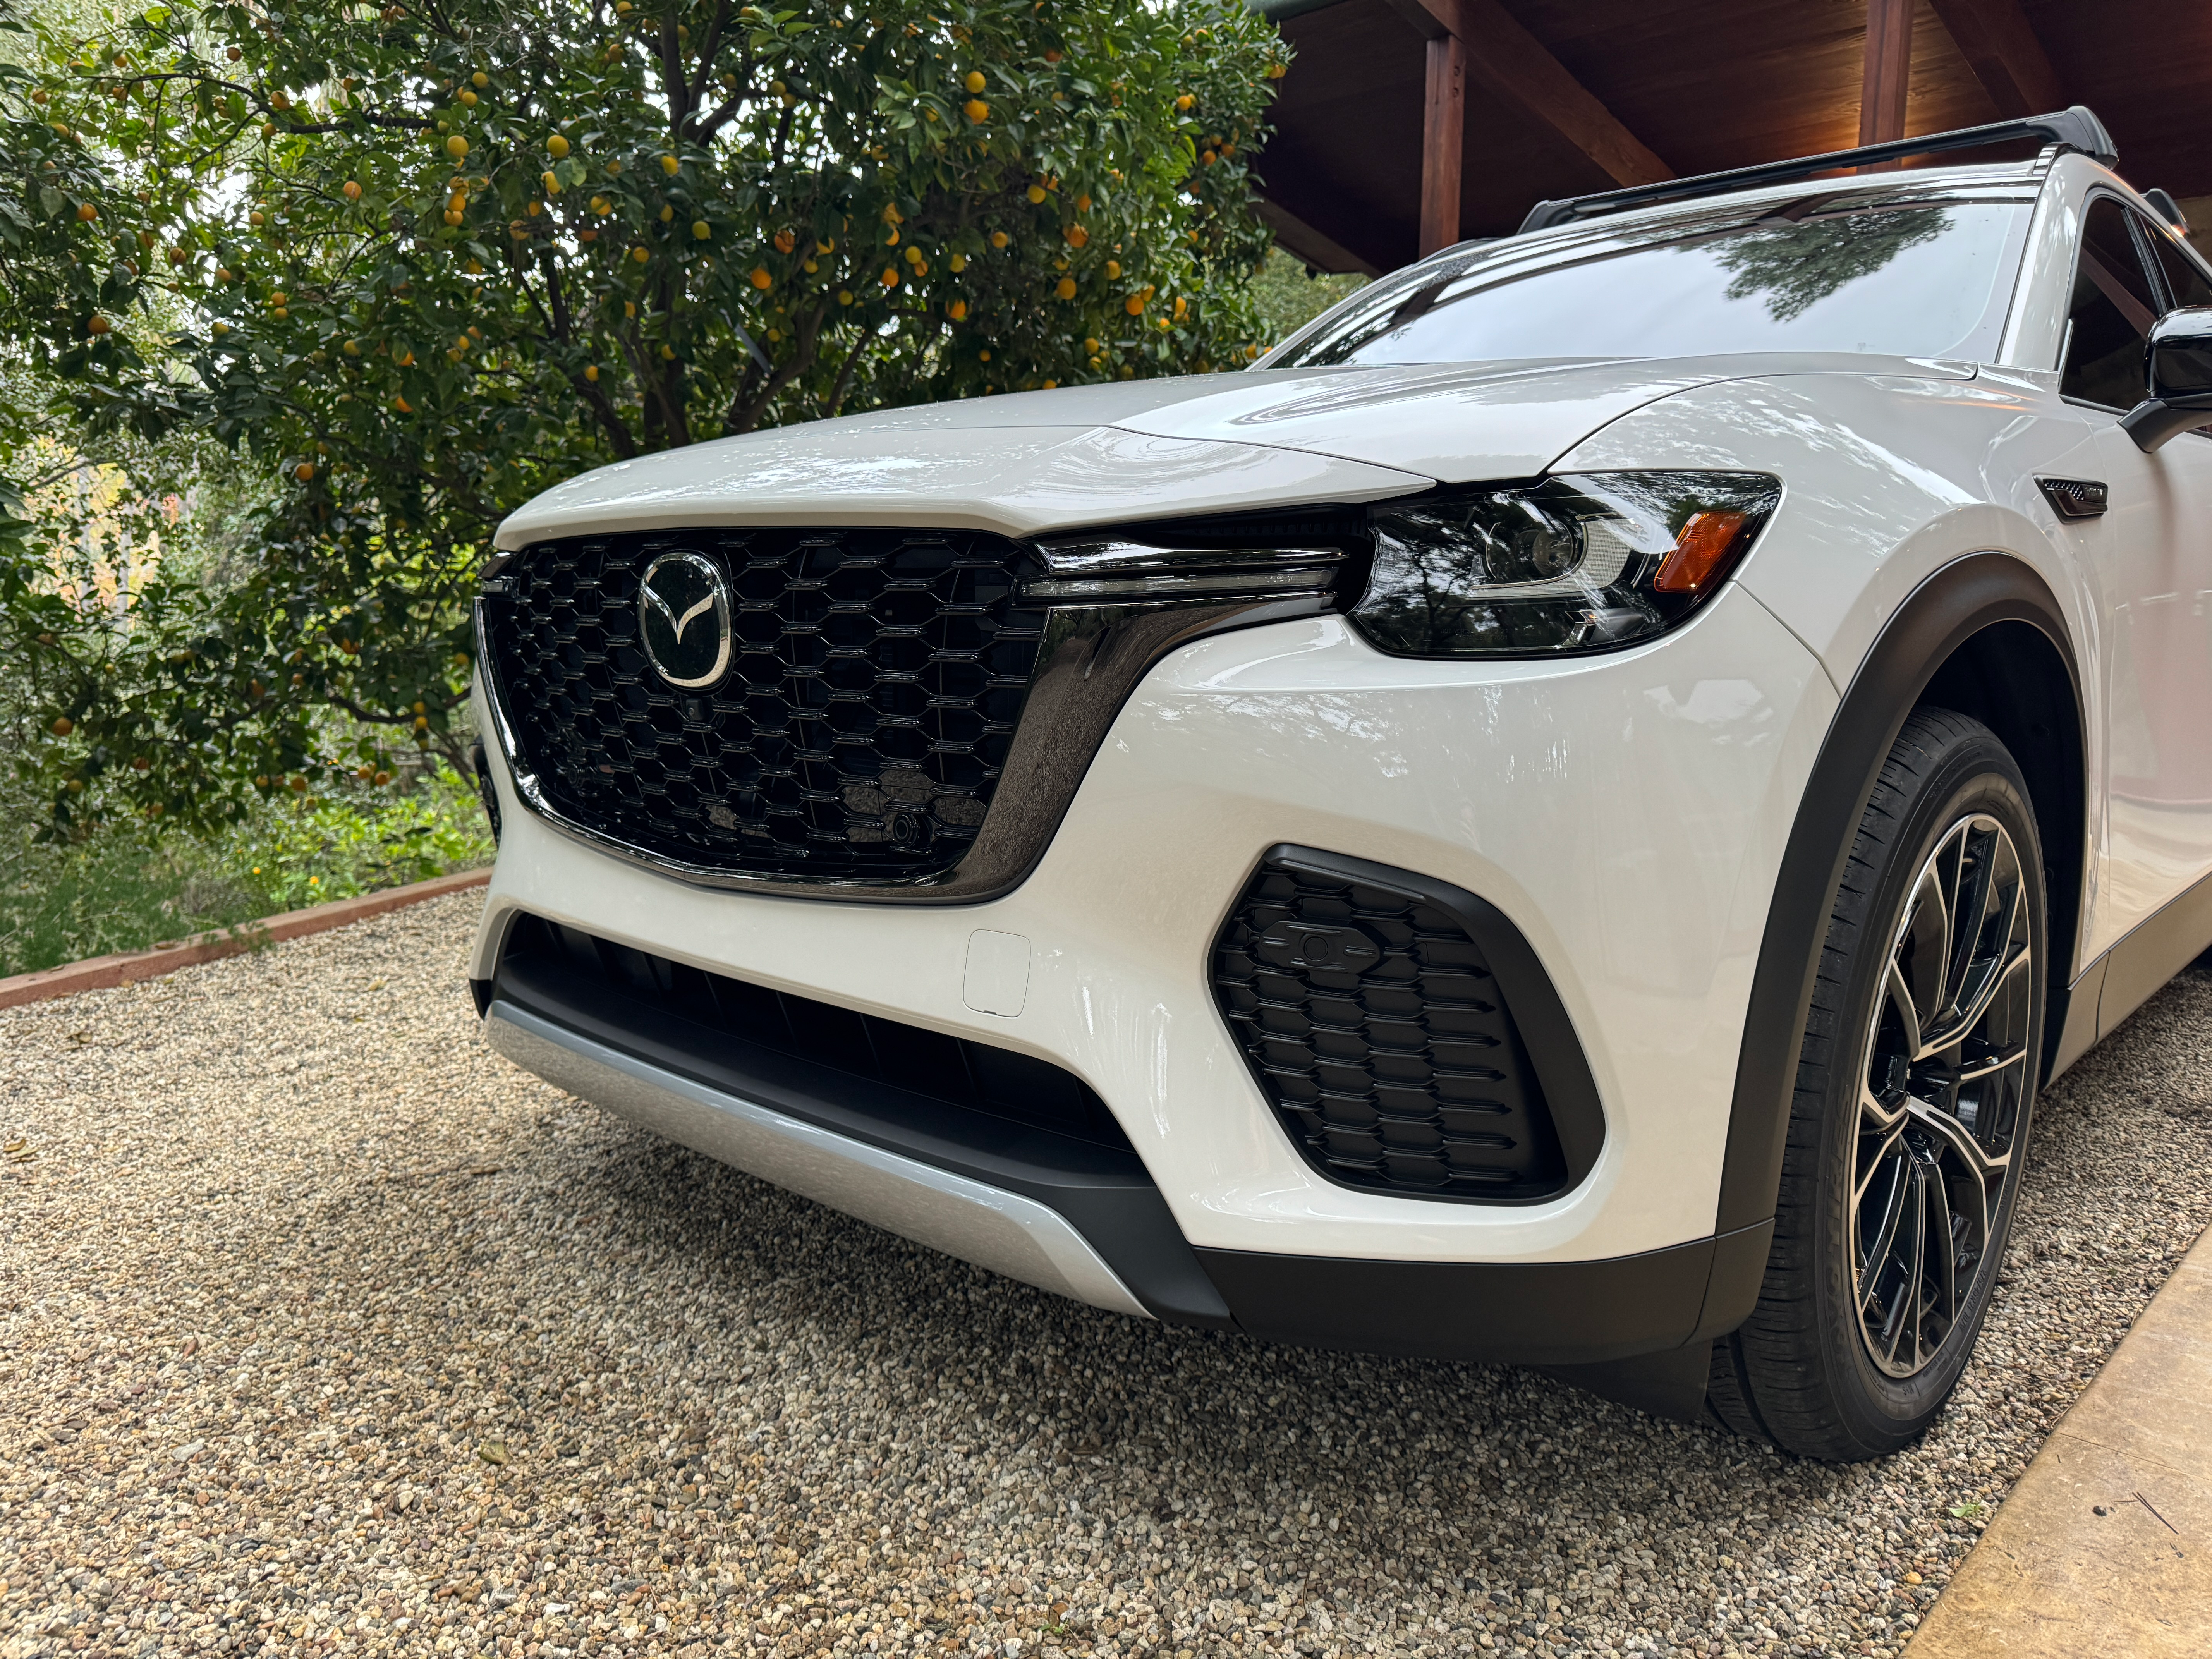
x,y
683,618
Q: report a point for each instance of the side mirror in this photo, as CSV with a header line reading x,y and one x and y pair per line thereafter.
x,y
2180,378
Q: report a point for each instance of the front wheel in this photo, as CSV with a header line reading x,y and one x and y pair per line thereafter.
x,y
1909,1124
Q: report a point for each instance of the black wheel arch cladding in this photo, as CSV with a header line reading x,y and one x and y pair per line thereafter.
x,y
1973,632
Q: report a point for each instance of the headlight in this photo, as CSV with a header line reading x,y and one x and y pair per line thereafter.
x,y
1586,562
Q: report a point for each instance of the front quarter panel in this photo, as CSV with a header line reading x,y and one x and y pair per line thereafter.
x,y
1886,480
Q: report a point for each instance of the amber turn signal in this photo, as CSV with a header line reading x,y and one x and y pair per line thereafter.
x,y
1702,551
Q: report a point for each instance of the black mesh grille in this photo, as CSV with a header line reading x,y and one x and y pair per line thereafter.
x,y
1375,1028
970,1077
861,731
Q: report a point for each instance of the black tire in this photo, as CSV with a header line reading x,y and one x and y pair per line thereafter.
x,y
1849,1273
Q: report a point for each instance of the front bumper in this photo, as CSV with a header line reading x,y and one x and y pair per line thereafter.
x,y
1626,812
1007,1232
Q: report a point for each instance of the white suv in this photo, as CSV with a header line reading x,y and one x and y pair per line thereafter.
x,y
1561,818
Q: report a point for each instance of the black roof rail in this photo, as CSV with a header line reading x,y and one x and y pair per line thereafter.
x,y
2077,128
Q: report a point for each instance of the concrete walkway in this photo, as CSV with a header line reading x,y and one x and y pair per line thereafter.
x,y
2104,1547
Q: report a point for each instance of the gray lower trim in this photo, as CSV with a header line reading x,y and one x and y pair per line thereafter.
x,y
2153,951
2078,1034
1001,1230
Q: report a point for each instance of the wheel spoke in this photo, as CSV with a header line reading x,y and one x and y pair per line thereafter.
x,y
1900,997
1885,1244
1981,1168
1956,1030
1882,1158
1873,1112
1994,1064
1973,899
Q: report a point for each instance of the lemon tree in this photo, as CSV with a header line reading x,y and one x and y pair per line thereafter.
x,y
421,260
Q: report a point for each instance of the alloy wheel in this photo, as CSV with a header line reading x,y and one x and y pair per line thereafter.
x,y
1942,1096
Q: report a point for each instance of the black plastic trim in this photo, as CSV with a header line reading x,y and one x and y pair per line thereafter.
x,y
1106,1194
1532,1004
1957,602
1529,1313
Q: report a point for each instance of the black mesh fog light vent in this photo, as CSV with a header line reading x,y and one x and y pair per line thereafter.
x,y
1383,1015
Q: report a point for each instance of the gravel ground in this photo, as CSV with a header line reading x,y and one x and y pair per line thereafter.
x,y
322,1328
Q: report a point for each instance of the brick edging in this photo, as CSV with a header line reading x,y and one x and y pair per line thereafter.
x,y
105,973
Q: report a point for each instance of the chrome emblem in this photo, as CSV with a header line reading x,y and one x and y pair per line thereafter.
x,y
683,618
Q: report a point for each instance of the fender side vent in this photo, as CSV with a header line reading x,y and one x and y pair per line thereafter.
x,y
1376,1026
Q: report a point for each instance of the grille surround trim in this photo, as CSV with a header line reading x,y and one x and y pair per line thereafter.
x,y
1536,1023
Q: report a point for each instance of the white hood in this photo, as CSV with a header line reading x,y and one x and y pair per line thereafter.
x,y
1031,463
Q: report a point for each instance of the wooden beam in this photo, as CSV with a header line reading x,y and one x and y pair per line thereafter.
x,y
1443,142
1888,70
1515,68
1297,238
2000,46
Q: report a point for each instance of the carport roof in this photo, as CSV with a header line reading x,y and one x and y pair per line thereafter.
x,y
1564,97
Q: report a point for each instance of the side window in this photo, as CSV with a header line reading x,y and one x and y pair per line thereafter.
x,y
2113,307
2186,284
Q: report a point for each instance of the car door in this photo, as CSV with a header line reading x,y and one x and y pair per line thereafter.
x,y
2156,570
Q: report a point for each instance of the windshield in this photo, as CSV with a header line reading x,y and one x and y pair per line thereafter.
x,y
1906,279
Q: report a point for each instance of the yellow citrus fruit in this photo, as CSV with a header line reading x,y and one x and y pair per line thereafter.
x,y
640,255
914,256
481,79
700,229
999,239
976,111
844,296
591,371
352,191
1090,348
457,147
305,470
1113,268
1037,193
1186,101
552,184
671,165
974,82
468,98
556,147
1065,288
1277,71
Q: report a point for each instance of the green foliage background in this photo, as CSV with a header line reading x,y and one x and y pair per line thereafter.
x,y
357,281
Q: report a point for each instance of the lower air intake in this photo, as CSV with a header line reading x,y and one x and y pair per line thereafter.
x,y
1376,1025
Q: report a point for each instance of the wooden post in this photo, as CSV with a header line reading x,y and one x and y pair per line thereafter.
x,y
1443,142
1888,70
